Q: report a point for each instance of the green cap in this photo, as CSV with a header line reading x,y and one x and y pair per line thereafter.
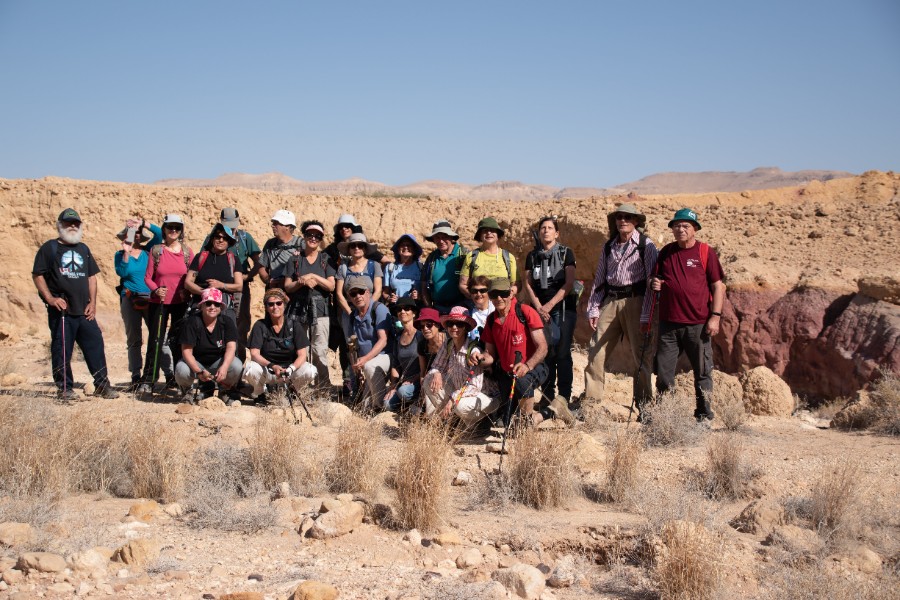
x,y
501,284
69,215
686,214
488,223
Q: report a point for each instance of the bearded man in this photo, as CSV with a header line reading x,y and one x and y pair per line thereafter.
x,y
65,274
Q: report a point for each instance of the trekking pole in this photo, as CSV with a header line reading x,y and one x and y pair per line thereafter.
x,y
156,351
290,396
509,417
65,369
644,345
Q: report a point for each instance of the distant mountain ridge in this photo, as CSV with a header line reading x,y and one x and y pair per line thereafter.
x,y
659,183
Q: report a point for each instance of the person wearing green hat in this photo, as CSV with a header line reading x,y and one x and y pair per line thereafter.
x,y
689,280
490,259
614,306
65,275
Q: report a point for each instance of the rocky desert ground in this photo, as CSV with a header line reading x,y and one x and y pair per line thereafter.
x,y
785,497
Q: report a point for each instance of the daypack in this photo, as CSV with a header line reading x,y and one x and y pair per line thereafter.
x,y
506,261
458,253
186,254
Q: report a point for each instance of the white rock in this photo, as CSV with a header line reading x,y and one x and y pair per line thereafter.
x,y
413,537
523,580
462,478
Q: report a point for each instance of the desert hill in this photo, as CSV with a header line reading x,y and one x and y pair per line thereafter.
x,y
812,283
661,183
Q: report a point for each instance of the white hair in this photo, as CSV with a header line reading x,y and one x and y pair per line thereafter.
x,y
67,236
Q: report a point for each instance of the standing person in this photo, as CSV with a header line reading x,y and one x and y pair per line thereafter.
x,y
516,331
456,384
403,349
164,277
370,322
246,250
489,259
358,266
614,307
280,250
440,274
65,275
404,275
310,282
208,346
689,278
549,283
277,348
215,267
134,296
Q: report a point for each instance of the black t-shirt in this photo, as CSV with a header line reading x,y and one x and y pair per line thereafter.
x,y
209,346
422,349
277,255
280,348
66,270
301,297
217,266
533,264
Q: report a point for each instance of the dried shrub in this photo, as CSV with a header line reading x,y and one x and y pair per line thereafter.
x,y
687,565
157,461
659,504
421,479
834,510
356,465
814,581
885,397
32,464
731,411
622,475
223,492
277,454
541,471
726,474
669,421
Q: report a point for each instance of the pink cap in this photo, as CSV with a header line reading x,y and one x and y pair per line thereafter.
x,y
211,295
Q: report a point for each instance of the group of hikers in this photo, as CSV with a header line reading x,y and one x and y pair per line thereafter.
x,y
442,336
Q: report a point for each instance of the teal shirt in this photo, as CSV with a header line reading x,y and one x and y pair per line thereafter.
x,y
444,280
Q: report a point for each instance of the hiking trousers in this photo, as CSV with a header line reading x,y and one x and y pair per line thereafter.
x,y
525,388
559,357
159,352
87,334
134,321
619,318
257,376
185,376
695,342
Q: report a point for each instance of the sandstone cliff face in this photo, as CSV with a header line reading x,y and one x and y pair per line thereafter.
x,y
792,257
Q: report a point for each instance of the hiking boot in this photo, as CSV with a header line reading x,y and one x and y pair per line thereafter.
x,y
134,385
106,392
67,396
145,389
232,398
560,408
171,384
190,397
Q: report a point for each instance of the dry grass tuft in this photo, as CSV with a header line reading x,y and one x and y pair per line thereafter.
x,y
687,566
731,411
669,421
541,471
278,453
834,510
726,474
157,461
815,581
357,465
422,480
622,475
886,403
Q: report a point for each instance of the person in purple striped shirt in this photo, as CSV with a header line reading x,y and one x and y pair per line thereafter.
x,y
615,303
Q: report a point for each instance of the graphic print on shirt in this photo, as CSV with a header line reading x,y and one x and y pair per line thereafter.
x,y
518,339
693,263
71,265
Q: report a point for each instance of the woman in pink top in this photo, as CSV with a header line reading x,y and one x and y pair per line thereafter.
x,y
165,275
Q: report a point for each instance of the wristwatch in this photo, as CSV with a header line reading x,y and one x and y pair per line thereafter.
x,y
716,314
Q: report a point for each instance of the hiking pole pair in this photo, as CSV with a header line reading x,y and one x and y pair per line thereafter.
x,y
509,416
290,396
644,345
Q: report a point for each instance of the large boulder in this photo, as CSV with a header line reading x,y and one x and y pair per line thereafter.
x,y
884,288
765,393
138,553
522,580
338,521
314,590
42,562
857,414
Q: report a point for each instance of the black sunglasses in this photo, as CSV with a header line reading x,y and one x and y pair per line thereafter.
x,y
174,227
352,246
479,290
214,304
499,293
428,324
272,304
313,236
357,292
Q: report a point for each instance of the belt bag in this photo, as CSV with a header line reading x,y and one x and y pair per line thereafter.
x,y
138,301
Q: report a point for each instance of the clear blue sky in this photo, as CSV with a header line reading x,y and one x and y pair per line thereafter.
x,y
560,93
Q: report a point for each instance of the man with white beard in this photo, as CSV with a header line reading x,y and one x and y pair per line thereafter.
x,y
65,274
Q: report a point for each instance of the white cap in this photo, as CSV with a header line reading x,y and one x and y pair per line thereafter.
x,y
285,217
173,218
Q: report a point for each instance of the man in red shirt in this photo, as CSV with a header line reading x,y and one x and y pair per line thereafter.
x,y
512,330
689,278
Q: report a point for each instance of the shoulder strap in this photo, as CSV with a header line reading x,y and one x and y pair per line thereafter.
x,y
203,256
505,254
428,267
704,255
474,255
231,259
520,314
642,247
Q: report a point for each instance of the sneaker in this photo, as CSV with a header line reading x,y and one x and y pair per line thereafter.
x,y
134,385
107,392
190,397
145,389
232,398
560,409
66,397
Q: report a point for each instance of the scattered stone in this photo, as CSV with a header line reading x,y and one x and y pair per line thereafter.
x,y
314,590
13,576
15,534
12,380
345,498
865,559
477,575
255,577
173,510
242,596
212,403
851,231
468,558
815,234
144,510
523,580
42,562
765,393
462,478
185,409
507,560
337,522
305,525
88,561
495,447
447,537
330,504
138,552
62,588
760,517
413,537
334,414
564,574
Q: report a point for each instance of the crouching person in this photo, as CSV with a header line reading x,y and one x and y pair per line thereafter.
x,y
277,349
514,341
208,346
456,384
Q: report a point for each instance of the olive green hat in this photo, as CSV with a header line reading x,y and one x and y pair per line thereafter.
x,y
488,223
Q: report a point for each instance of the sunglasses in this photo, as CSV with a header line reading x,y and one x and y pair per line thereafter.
x,y
214,304
355,246
479,291
314,236
273,304
624,217
428,324
355,293
406,308
454,325
499,294
220,236
174,227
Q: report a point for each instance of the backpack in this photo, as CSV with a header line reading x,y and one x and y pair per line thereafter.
x,y
205,254
458,253
520,314
559,250
506,261
156,254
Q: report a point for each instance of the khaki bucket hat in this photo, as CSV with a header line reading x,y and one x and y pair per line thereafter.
x,y
628,209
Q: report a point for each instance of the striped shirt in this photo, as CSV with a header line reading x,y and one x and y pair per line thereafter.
x,y
622,267
452,364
